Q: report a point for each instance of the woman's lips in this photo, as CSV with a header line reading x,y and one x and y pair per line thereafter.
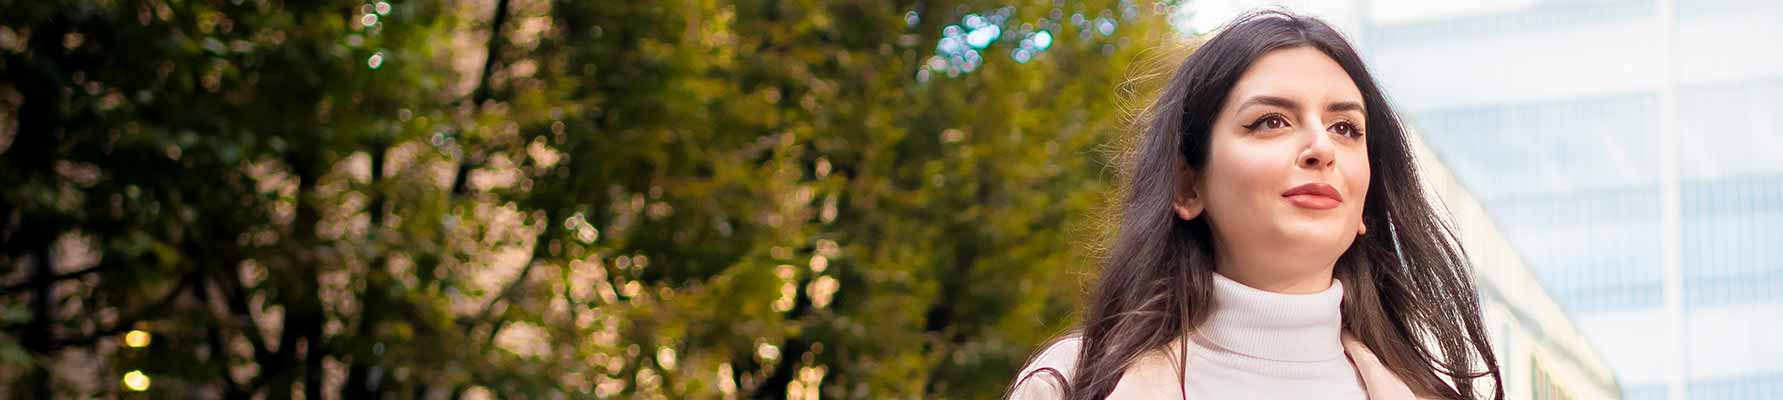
x,y
1315,195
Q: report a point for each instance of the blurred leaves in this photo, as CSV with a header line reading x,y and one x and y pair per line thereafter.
x,y
531,198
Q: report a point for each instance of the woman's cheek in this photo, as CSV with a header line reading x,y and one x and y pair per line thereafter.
x,y
1359,180
1256,172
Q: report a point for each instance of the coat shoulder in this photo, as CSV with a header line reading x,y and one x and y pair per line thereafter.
x,y
1157,374
1046,376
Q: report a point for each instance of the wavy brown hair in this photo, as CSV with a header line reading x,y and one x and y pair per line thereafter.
x,y
1408,293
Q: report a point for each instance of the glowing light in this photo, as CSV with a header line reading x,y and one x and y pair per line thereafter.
x,y
822,290
136,381
1105,26
376,60
788,294
136,338
962,47
974,21
953,135
948,45
666,357
828,213
368,20
383,8
767,352
726,384
805,386
828,248
982,37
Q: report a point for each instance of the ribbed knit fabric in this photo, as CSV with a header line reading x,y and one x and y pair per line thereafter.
x,y
1265,345
1255,345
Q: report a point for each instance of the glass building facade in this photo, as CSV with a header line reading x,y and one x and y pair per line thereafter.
x,y
1560,116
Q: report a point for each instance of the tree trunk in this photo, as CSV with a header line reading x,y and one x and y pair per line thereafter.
x,y
37,337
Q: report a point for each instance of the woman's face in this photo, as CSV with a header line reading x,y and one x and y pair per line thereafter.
x,y
1287,170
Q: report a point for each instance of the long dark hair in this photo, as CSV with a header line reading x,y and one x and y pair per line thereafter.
x,y
1408,294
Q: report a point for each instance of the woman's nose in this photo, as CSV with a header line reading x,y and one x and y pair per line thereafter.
x,y
1318,152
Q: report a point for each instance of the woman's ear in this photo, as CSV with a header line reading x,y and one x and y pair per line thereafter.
x,y
1361,228
1188,203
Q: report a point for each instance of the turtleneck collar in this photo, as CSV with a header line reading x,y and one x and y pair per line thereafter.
x,y
1274,326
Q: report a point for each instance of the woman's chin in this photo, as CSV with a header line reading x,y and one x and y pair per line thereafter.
x,y
1318,235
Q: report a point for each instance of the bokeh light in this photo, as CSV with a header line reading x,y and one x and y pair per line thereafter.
x,y
961,47
136,339
136,381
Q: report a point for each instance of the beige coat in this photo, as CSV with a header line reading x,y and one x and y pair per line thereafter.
x,y
1155,376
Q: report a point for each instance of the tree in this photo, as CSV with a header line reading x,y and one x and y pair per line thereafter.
x,y
527,198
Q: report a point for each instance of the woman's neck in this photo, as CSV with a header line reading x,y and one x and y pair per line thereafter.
x,y
1284,280
1277,269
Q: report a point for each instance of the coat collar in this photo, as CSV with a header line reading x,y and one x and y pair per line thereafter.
x,y
1379,382
1156,376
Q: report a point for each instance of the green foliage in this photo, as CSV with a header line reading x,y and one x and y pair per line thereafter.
x,y
533,198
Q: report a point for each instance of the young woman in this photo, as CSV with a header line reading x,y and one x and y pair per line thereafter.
x,y
1275,242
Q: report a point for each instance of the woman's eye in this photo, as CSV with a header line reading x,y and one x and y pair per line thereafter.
x,y
1346,129
1270,122
1274,122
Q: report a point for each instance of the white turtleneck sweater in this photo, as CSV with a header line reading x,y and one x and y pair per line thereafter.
x,y
1255,345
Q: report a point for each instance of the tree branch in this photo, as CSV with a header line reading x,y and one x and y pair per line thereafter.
x,y
125,324
539,246
237,304
482,94
373,297
213,337
494,48
41,282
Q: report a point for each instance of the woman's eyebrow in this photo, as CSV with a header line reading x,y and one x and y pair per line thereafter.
x,y
1343,106
1294,106
1268,100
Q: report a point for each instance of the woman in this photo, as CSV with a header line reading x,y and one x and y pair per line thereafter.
x,y
1275,242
